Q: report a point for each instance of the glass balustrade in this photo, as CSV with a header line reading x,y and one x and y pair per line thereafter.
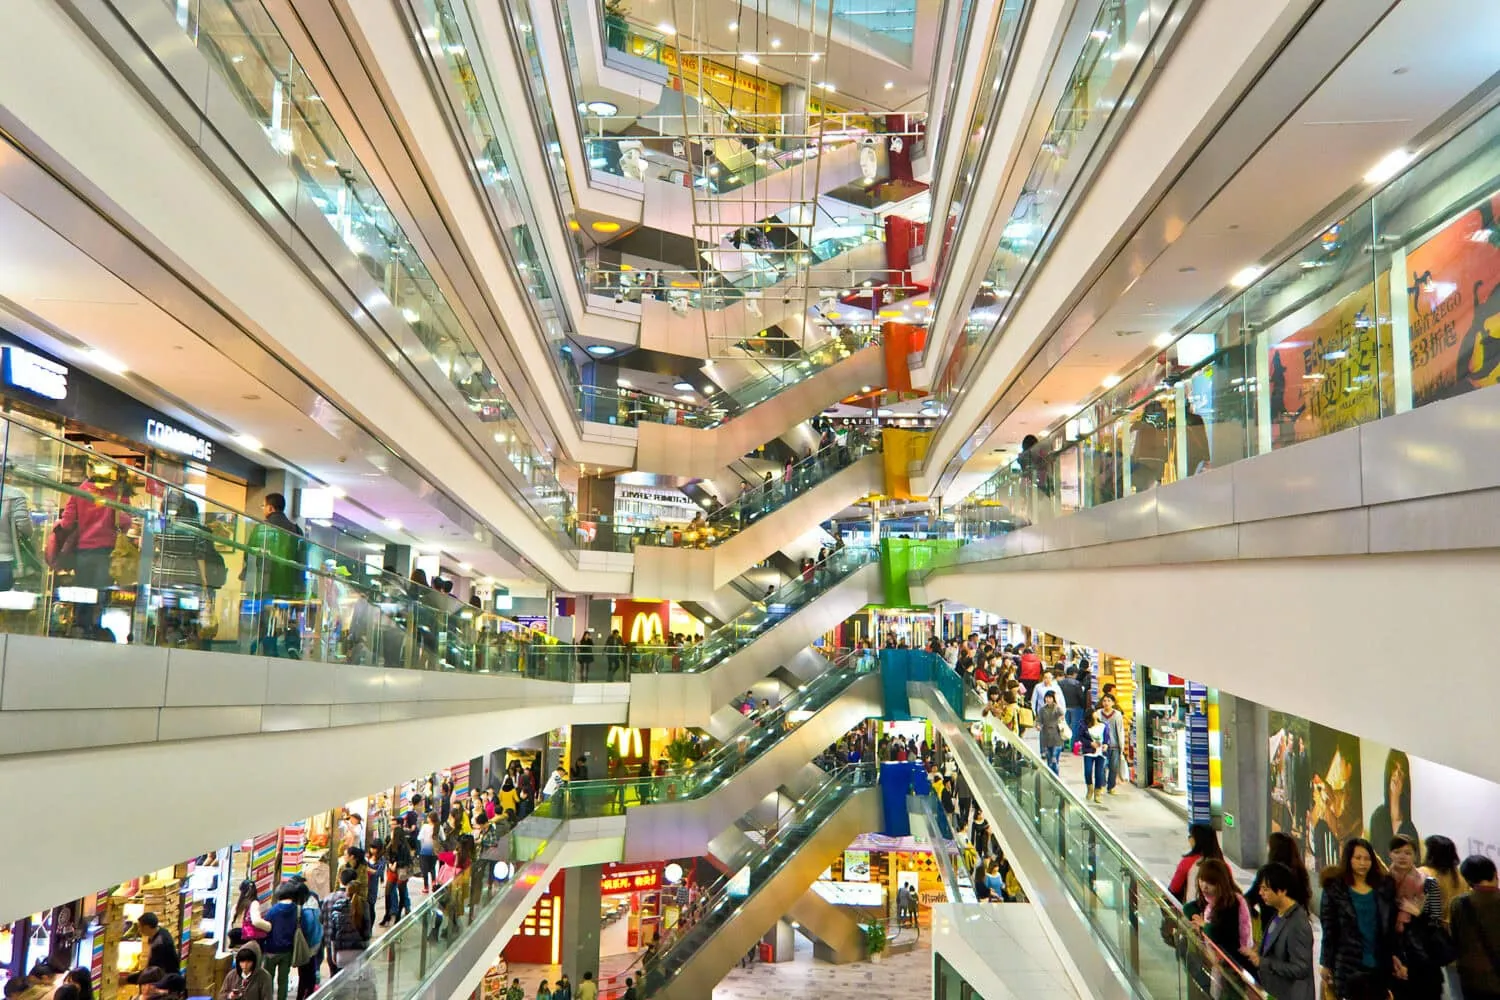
x,y
725,901
617,662
1391,308
753,739
1117,54
1133,916
241,44
104,551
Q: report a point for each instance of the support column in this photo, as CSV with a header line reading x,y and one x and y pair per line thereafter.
x,y
580,922
588,742
1244,734
794,115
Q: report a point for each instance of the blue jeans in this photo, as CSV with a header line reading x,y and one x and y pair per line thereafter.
x,y
1074,717
1112,766
1093,770
1052,755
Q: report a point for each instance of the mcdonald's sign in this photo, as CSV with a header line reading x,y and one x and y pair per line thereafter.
x,y
643,622
646,629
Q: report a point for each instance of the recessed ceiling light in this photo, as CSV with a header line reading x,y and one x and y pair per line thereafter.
x,y
600,350
666,28
108,362
603,108
1245,277
749,57
683,386
1110,381
392,524
605,227
890,84
1163,339
734,26
623,383
775,43
247,442
708,390
1389,166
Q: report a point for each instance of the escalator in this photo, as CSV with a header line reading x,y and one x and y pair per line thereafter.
x,y
766,887
676,815
1122,929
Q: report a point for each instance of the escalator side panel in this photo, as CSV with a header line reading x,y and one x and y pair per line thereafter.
x,y
681,829
860,813
834,930
696,453
667,699
1090,968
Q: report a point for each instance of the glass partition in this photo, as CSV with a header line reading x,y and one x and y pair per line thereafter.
x,y
1388,309
103,551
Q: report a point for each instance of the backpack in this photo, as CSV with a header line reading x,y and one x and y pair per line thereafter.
x,y
215,571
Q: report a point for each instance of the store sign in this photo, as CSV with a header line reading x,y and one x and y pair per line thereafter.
x,y
630,879
35,374
646,629
168,438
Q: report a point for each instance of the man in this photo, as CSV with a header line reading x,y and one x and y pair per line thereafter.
x,y
1475,921
1073,706
273,569
1116,739
44,973
614,651
630,993
172,987
1039,693
580,769
1284,962
161,950
588,989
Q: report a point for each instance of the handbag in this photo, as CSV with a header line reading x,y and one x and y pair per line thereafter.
x,y
61,550
302,952
124,561
1026,717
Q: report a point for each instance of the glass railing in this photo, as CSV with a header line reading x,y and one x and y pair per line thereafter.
x,y
1381,313
775,492
1133,916
241,43
617,662
400,963
631,39
728,898
104,551
1118,52
958,881
752,740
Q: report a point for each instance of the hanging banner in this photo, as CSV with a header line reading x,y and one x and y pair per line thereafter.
x,y
1453,311
293,847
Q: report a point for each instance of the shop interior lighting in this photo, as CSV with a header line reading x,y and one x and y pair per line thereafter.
x,y
683,386
600,350
603,109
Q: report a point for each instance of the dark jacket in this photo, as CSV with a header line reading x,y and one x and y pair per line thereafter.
x,y
1475,920
1343,946
256,986
1422,943
342,926
1286,957
163,952
1072,692
283,919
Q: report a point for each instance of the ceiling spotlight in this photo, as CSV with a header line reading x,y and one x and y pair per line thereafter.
x,y
666,28
890,84
683,386
1245,277
775,43
600,350
1110,381
734,26
602,108
750,58
623,383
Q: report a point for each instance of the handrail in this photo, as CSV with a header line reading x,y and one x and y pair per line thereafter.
x,y
171,567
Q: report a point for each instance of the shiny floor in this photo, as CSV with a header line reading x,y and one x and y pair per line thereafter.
x,y
907,976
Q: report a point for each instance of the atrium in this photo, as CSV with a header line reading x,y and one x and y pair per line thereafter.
x,y
690,499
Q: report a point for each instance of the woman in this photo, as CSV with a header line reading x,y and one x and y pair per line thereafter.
x,y
246,911
16,531
1219,911
427,850
1418,932
247,980
1050,729
1441,865
1393,816
458,887
564,989
398,866
542,992
1281,848
994,881
1203,845
83,980
1355,956
1094,735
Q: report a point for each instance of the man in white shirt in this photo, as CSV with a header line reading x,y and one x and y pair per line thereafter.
x,y
1039,693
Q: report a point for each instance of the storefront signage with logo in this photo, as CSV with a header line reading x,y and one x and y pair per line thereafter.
x,y
35,374
163,435
633,878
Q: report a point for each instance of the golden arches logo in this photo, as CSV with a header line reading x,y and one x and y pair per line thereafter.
x,y
647,629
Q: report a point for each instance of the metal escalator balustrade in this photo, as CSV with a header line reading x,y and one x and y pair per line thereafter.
x,y
240,42
1134,918
619,661
730,895
434,947
187,572
756,737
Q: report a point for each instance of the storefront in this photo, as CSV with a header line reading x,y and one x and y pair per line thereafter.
x,y
875,867
1178,754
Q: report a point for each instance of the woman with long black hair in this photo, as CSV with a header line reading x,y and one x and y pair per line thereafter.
x,y
1356,956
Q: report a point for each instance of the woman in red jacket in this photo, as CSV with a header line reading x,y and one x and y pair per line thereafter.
x,y
90,526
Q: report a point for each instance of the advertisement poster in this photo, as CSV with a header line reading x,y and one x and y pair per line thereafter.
x,y
1452,308
856,866
1326,376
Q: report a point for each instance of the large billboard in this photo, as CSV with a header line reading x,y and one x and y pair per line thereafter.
x,y
1452,308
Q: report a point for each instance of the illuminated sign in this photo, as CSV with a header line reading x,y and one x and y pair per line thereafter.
x,y
646,628
616,879
35,374
170,438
